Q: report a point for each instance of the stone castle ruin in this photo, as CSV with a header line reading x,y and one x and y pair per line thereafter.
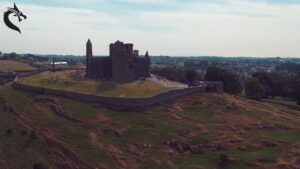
x,y
123,64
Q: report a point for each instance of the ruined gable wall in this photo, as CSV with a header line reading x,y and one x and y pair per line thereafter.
x,y
101,68
142,68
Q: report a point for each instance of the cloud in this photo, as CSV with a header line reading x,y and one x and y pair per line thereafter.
x,y
148,1
230,28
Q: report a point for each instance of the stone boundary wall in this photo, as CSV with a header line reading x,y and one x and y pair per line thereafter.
x,y
116,101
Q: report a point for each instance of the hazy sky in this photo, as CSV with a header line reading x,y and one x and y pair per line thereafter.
x,y
164,27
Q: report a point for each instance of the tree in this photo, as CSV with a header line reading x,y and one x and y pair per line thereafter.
x,y
231,82
265,79
214,73
253,88
280,84
295,87
190,75
173,74
230,79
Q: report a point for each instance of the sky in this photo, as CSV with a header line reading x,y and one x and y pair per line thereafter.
x,y
261,28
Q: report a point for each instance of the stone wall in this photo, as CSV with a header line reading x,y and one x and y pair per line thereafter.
x,y
117,101
142,67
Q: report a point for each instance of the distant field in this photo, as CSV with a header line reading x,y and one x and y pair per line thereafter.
x,y
16,66
135,89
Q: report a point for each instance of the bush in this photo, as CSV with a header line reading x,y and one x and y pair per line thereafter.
x,y
33,135
190,75
223,158
9,132
39,166
23,133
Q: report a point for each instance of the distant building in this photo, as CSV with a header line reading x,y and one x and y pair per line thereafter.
x,y
51,65
121,66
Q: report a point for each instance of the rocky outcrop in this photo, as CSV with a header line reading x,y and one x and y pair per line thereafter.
x,y
182,147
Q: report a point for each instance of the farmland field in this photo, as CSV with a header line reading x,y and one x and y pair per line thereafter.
x,y
16,66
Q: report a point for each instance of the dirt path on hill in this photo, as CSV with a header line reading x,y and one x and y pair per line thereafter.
x,y
63,156
177,107
111,150
56,108
94,139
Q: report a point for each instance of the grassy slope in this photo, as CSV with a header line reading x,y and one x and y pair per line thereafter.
x,y
283,101
134,89
16,66
199,119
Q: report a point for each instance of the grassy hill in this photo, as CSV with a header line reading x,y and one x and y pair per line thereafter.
x,y
200,131
137,88
16,66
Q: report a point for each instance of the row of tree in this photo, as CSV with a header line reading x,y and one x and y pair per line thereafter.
x,y
259,86
187,76
266,85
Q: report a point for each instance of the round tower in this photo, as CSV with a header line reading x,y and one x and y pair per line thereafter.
x,y
89,58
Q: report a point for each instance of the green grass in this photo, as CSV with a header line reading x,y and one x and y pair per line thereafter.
x,y
81,110
76,136
281,100
110,137
19,152
153,126
139,126
241,159
145,88
136,89
198,113
289,137
15,65
267,154
192,161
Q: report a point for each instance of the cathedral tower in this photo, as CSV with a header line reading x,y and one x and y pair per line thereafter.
x,y
89,58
